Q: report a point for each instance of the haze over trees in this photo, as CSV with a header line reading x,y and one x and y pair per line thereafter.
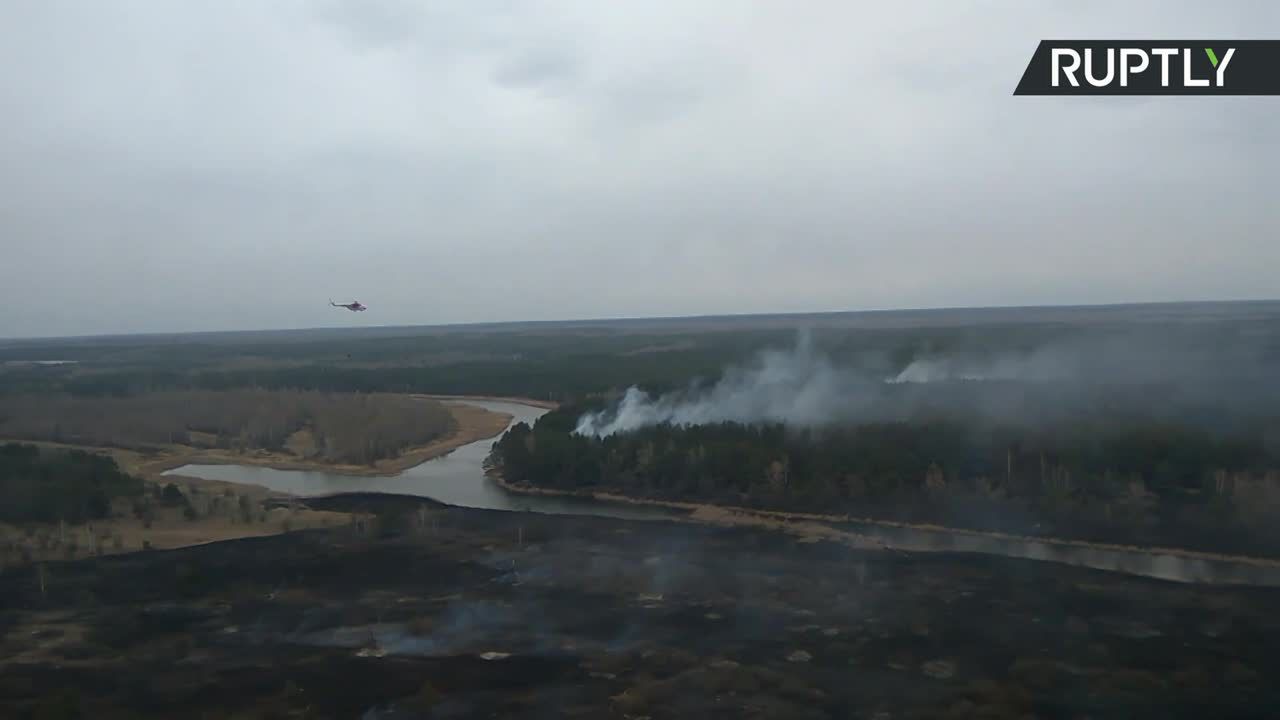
x,y
1119,422
347,427
1141,481
1240,342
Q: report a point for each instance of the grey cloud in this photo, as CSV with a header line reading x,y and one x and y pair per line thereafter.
x,y
375,23
536,69
398,24
659,158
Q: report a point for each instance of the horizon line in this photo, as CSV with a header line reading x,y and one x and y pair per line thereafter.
x,y
636,318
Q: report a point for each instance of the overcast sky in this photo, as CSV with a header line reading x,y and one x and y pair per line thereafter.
x,y
206,164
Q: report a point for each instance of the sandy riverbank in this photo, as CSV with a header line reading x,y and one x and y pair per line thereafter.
x,y
531,402
818,526
473,423
217,503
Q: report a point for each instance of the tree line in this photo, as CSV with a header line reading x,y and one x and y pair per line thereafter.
x,y
343,427
43,485
1144,481
549,376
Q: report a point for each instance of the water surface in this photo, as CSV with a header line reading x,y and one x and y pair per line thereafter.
x,y
458,479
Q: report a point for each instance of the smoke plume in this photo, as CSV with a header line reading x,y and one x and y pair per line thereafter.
x,y
799,386
1040,365
1153,375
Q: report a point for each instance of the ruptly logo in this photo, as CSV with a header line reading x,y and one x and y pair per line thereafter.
x,y
1166,67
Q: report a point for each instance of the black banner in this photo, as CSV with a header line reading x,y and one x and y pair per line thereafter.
x,y
1153,67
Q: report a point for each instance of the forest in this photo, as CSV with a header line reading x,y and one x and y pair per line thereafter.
x,y
52,485
568,361
333,427
544,365
557,378
1130,480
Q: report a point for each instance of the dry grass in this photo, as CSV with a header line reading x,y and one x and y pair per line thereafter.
x,y
217,503
219,517
532,402
472,423
302,443
806,531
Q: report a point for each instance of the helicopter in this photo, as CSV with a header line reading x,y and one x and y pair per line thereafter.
x,y
353,306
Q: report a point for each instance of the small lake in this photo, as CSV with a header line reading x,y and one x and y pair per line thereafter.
x,y
458,479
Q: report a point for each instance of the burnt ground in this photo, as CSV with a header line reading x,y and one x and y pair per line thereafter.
x,y
596,617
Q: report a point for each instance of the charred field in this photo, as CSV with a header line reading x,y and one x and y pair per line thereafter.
x,y
431,611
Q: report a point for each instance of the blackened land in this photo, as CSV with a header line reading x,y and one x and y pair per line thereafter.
x,y
605,618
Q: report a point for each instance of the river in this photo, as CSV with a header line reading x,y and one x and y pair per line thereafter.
x,y
458,479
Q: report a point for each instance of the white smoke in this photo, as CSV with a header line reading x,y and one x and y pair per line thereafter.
x,y
929,370
797,386
1042,365
801,387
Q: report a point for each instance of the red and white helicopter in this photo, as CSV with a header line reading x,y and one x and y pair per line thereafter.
x,y
353,306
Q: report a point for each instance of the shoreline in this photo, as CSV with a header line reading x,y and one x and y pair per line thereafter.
x,y
481,425
152,463
702,513
129,534
531,402
730,514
